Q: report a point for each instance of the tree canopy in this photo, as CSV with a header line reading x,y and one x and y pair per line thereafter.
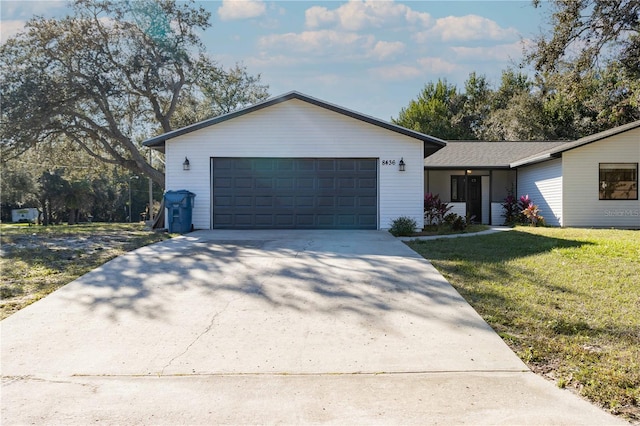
x,y
112,74
591,61
586,79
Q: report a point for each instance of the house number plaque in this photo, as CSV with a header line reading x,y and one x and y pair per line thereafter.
x,y
388,162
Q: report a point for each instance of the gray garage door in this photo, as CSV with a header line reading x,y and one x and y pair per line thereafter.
x,y
294,193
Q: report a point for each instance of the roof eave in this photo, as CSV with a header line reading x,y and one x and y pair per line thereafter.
x,y
533,160
467,167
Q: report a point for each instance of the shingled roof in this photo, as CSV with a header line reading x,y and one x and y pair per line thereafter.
x,y
482,154
556,151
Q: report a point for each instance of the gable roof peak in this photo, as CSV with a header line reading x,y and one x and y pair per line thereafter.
x,y
158,142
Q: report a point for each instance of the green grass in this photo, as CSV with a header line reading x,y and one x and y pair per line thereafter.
x,y
37,260
567,301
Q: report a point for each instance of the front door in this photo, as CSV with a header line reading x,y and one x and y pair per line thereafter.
x,y
474,202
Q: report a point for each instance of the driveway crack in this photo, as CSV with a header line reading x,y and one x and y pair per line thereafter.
x,y
193,342
304,249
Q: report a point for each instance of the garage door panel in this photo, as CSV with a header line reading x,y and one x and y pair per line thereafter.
x,y
305,164
284,183
307,183
305,202
305,220
365,183
263,183
366,201
346,201
285,164
326,183
347,165
264,220
261,163
367,165
244,201
294,193
244,183
220,201
264,201
326,165
243,219
326,201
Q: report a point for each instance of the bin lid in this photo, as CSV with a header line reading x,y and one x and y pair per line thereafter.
x,y
177,196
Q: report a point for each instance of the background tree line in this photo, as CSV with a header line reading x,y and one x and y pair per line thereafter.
x,y
70,186
586,79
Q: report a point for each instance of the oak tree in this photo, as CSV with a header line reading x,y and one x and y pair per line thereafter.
x,y
112,74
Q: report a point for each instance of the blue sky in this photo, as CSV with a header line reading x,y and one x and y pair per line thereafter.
x,y
369,56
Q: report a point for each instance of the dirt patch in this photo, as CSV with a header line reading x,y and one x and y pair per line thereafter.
x,y
36,261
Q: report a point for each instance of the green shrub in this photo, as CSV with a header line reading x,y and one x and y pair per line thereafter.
x,y
456,222
403,226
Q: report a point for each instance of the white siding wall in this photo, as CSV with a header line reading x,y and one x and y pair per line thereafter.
x,y
459,208
496,214
439,182
298,129
543,183
582,206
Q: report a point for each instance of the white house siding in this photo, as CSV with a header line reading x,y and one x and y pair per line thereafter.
x,y
497,211
438,182
459,208
543,183
582,206
297,129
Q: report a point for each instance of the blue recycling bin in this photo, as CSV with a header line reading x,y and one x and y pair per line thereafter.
x,y
179,206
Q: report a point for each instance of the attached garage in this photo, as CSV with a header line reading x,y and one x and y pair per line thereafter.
x,y
294,193
295,162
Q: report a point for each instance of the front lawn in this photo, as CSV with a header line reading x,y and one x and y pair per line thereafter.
x,y
567,301
37,260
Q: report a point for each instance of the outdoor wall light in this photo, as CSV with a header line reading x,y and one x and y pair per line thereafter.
x,y
186,165
401,165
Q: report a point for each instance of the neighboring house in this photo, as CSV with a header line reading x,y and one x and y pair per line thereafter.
x,y
294,161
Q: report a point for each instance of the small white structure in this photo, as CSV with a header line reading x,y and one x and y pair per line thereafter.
x,y
25,215
297,162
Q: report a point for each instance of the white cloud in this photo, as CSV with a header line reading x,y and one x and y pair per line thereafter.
x,y
264,60
499,52
340,46
357,15
319,42
437,65
9,29
387,49
396,72
241,9
466,28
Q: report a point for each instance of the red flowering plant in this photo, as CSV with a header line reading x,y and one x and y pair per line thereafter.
x,y
511,212
434,209
532,214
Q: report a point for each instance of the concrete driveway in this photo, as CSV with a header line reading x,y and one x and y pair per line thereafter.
x,y
240,327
